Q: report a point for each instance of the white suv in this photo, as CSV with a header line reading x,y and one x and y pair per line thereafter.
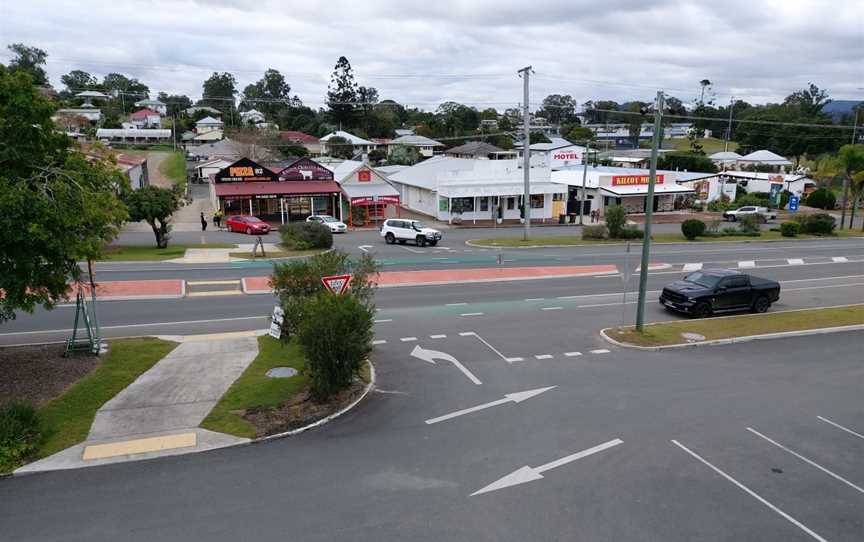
x,y
395,229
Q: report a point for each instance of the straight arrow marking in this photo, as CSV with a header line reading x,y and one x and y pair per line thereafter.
x,y
432,355
509,398
530,474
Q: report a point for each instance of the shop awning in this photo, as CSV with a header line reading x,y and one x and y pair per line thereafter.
x,y
284,189
353,191
642,190
498,189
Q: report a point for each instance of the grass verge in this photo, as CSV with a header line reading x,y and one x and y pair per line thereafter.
x,y
669,333
123,253
254,389
66,420
575,240
174,167
279,253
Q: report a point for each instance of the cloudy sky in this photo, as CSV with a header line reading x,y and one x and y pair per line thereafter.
x,y
423,53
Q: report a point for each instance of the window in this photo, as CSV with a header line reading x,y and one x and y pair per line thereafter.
x,y
462,205
537,201
735,282
557,197
511,204
484,203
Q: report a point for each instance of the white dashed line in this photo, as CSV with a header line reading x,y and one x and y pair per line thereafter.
x,y
455,304
552,308
543,356
466,334
838,426
437,336
408,339
379,341
471,314
512,360
840,259
384,321
691,267
603,305
746,264
795,261
534,299
600,351
572,354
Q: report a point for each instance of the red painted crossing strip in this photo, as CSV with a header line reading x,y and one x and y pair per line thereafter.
x,y
117,290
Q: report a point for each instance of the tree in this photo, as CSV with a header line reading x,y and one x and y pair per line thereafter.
x,y
785,140
57,207
850,161
704,86
579,133
78,80
558,109
634,122
31,61
368,98
808,101
154,205
269,95
342,94
458,119
404,155
339,147
175,104
219,91
686,161
538,137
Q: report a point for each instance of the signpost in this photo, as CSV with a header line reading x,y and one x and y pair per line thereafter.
x,y
336,284
276,322
793,203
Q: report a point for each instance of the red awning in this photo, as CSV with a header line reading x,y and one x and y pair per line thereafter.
x,y
289,188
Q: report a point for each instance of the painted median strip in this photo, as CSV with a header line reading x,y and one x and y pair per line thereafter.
x,y
530,474
508,398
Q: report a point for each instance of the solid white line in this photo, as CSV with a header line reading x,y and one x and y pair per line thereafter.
x,y
492,348
600,351
534,299
552,308
840,259
379,341
808,461
838,426
691,267
383,321
471,314
795,261
746,264
823,287
604,305
455,304
141,325
543,356
437,336
750,492
572,354
408,339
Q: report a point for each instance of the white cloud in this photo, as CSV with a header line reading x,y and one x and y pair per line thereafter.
x,y
423,53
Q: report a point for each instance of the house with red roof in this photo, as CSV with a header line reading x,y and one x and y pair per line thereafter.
x,y
146,118
308,142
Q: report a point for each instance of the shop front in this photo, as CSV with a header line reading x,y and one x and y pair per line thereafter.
x,y
631,192
291,194
369,197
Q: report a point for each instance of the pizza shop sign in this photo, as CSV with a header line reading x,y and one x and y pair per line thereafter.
x,y
630,180
245,170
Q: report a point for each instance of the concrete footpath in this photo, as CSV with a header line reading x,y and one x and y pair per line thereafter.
x,y
160,412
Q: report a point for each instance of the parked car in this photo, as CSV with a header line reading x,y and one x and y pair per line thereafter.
x,y
764,213
336,226
397,230
710,291
248,224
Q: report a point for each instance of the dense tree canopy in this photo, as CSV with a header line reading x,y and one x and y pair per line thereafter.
x,y
30,60
270,95
219,91
342,94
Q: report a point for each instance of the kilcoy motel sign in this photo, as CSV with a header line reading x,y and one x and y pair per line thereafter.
x,y
630,180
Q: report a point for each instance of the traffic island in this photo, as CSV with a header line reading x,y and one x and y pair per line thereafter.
x,y
259,405
731,329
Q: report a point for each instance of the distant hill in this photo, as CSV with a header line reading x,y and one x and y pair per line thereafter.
x,y
840,108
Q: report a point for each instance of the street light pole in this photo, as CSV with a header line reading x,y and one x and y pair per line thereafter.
x,y
729,128
649,211
585,156
526,153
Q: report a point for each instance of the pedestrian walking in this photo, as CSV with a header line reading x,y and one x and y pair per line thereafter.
x,y
203,222
217,220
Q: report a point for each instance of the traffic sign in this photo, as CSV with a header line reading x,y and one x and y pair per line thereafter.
x,y
793,203
276,322
337,284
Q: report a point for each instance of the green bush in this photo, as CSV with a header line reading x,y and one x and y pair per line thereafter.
x,y
818,224
749,223
789,229
305,236
336,336
821,198
593,232
718,206
750,199
631,232
19,434
615,219
692,228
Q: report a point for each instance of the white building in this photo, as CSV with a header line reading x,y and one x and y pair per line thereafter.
x,y
725,159
765,158
155,105
253,116
146,118
557,153
753,181
87,111
424,145
444,187
208,124
360,145
135,135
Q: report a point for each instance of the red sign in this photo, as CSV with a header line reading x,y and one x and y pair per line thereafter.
x,y
305,169
629,180
336,284
364,176
567,155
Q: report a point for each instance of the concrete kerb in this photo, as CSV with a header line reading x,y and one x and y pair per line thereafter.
x,y
282,258
471,242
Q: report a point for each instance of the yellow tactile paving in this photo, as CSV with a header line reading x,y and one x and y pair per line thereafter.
x,y
140,446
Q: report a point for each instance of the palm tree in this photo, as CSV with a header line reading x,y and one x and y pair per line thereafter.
x,y
850,160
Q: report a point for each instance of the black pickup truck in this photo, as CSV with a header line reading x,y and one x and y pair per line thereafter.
x,y
709,291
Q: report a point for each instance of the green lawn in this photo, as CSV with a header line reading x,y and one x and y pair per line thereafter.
x,y
710,145
254,389
124,253
574,240
66,420
278,253
669,333
174,167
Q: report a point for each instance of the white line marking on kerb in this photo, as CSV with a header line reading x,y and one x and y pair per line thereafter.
x,y
838,426
795,261
749,491
471,314
552,308
840,259
379,341
543,356
600,351
438,336
746,264
455,304
534,299
408,339
691,267
383,321
808,461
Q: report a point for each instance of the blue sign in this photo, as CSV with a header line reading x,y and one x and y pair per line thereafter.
x,y
793,203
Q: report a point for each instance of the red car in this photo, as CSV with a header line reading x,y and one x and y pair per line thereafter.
x,y
250,225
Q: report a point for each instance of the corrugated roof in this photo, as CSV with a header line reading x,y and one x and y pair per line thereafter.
x,y
475,148
416,141
353,139
725,155
766,157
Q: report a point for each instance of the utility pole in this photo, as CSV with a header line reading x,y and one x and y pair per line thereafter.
x,y
855,124
649,210
584,175
729,128
526,153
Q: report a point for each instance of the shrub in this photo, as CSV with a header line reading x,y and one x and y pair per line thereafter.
x,y
784,198
336,336
819,224
718,206
631,232
789,229
749,223
692,228
19,434
751,199
305,236
297,281
730,230
615,219
593,232
821,198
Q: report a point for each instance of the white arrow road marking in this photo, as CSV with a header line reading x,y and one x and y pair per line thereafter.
x,y
839,259
691,267
508,398
530,474
432,355
365,248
